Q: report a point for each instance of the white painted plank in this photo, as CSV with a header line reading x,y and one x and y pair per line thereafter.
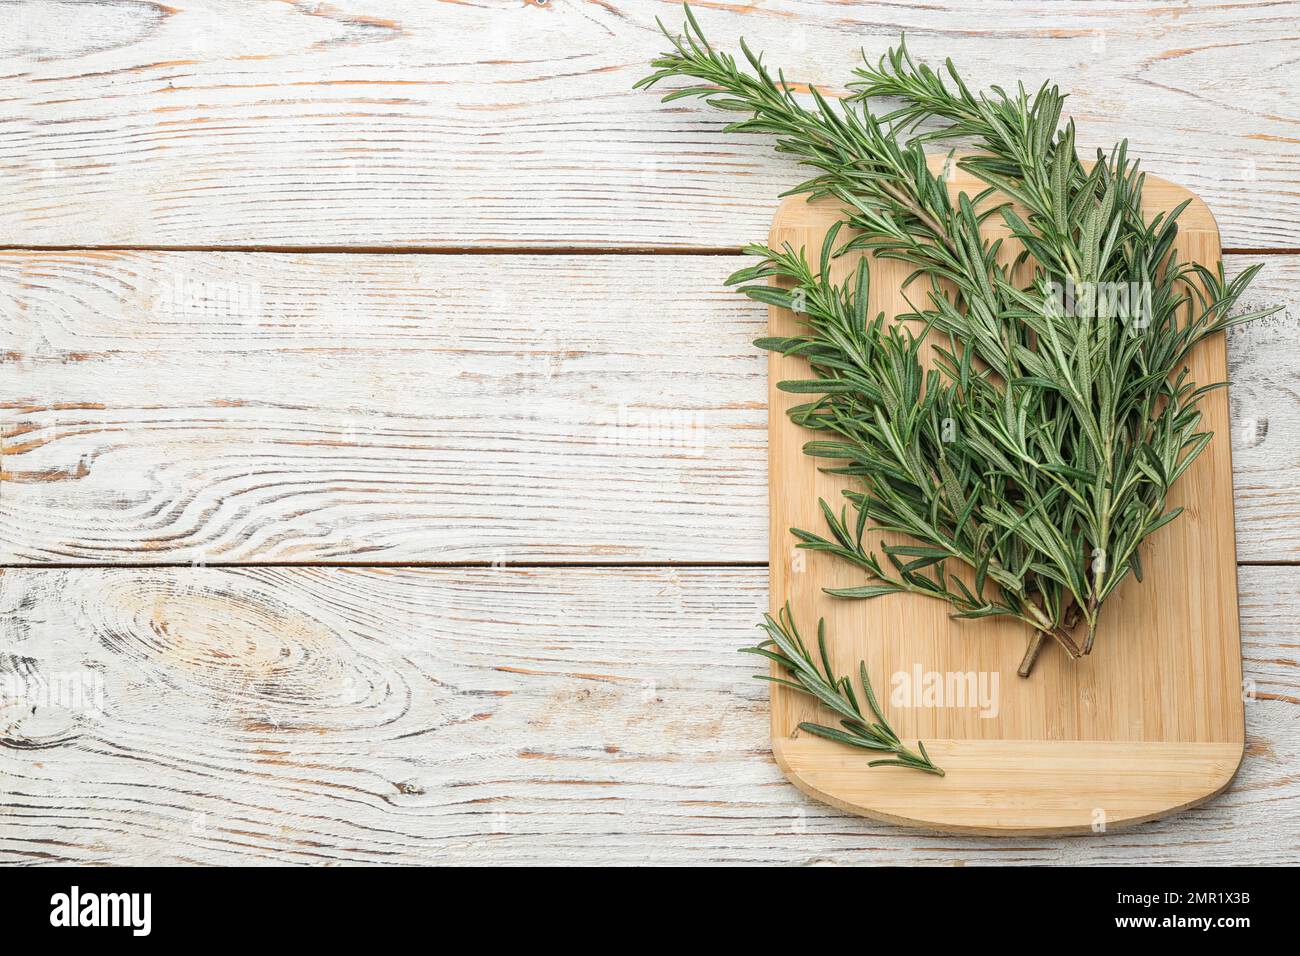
x,y
235,407
1264,369
483,716
402,122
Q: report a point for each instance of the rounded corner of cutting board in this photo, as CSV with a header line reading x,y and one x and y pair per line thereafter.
x,y
788,214
1018,787
1197,217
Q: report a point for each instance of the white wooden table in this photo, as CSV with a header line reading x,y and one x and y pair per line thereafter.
x,y
384,461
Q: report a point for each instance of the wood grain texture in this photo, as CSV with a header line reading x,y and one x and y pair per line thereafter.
x,y
402,122
176,407
383,408
487,716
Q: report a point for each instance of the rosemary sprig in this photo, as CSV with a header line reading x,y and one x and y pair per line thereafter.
x,y
856,729
1037,453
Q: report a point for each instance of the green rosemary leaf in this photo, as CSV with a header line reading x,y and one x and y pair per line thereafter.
x,y
820,386
866,591
840,736
821,647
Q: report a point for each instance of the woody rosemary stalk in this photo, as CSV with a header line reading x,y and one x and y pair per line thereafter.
x,y
1032,457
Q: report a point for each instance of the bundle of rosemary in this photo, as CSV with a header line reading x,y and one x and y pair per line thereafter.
x,y
1039,449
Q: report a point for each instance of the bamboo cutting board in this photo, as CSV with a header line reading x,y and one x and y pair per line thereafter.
x,y
1152,722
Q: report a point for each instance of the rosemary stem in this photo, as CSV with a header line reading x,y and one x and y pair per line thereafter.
x,y
1031,654
1091,635
921,764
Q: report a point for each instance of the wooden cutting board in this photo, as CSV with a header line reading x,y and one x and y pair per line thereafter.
x,y
1152,722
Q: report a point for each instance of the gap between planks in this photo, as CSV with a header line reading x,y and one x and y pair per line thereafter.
x,y
414,250
435,250
394,565
417,565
